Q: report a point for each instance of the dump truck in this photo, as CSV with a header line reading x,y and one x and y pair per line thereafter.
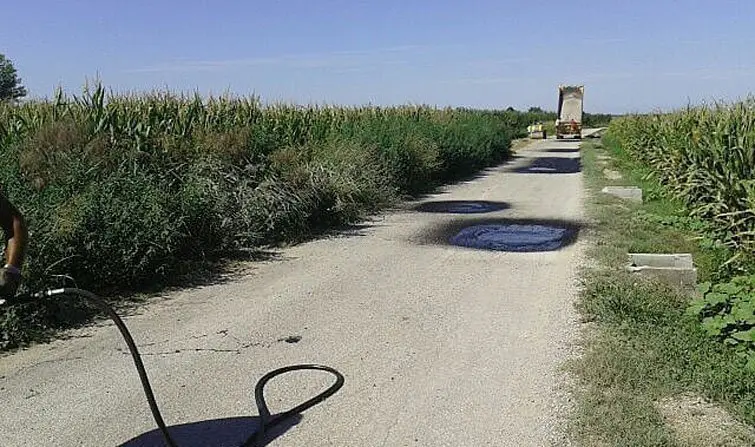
x,y
570,108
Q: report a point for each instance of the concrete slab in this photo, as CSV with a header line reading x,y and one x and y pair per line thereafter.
x,y
675,269
610,174
625,192
593,133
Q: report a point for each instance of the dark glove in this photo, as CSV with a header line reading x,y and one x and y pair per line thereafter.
x,y
10,279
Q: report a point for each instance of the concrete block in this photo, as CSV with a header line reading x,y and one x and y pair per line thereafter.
x,y
594,133
610,174
675,269
676,260
625,192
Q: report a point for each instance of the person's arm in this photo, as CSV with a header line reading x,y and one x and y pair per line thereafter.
x,y
15,231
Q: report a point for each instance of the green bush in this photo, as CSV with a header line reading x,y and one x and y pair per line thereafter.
x,y
123,191
727,312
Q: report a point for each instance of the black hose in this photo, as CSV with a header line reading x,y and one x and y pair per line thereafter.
x,y
266,419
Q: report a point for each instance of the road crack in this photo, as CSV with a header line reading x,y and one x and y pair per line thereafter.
x,y
240,346
236,351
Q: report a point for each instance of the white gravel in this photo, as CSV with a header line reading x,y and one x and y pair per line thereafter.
x,y
440,345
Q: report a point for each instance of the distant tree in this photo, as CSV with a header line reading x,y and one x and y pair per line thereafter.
x,y
10,84
510,109
536,110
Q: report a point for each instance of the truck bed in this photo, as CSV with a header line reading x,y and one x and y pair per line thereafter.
x,y
570,108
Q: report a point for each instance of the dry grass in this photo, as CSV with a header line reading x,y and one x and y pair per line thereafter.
x,y
697,422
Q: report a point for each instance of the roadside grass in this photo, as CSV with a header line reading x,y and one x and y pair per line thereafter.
x,y
639,347
520,143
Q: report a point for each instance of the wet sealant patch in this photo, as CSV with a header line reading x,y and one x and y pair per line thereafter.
x,y
562,150
510,237
551,165
461,206
502,234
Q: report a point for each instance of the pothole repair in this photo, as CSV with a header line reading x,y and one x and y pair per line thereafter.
x,y
501,234
551,165
461,206
511,237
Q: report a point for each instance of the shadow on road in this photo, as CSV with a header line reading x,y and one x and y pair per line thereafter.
x,y
243,431
561,150
461,206
446,186
349,230
550,165
228,432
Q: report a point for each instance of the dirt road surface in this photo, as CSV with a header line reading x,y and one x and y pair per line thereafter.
x,y
440,345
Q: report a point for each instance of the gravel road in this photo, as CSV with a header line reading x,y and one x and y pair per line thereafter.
x,y
440,344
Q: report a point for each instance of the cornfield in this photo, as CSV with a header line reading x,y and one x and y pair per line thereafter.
x,y
121,191
705,157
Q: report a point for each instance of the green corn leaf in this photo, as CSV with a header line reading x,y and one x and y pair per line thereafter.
x,y
745,336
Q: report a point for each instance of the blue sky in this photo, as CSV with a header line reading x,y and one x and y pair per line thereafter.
x,y
631,56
